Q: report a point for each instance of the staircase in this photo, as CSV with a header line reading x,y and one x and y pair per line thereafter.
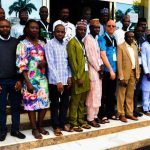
x,y
115,135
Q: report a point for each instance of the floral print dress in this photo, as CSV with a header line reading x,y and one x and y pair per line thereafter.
x,y
28,57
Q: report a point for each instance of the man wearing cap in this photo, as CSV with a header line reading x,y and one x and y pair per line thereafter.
x,y
146,77
80,78
93,100
104,17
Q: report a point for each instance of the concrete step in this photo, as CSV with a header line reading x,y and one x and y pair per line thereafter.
x,y
24,121
105,129
126,140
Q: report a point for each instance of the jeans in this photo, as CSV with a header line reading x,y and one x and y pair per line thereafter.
x,y
8,87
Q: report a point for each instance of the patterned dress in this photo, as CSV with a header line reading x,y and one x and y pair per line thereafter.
x,y
28,57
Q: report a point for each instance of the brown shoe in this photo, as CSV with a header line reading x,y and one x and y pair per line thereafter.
x,y
123,118
67,128
94,124
57,132
131,117
77,129
147,113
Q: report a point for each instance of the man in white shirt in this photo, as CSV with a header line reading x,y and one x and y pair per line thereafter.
x,y
119,33
17,29
128,73
145,51
69,27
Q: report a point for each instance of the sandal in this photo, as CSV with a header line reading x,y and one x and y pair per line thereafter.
x,y
104,120
43,131
67,128
77,129
94,124
85,126
36,134
114,117
57,132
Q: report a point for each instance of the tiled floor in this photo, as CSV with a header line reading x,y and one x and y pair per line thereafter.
x,y
98,143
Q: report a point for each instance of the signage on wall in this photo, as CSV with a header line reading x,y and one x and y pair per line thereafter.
x,y
133,17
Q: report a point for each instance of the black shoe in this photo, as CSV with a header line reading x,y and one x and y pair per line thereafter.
x,y
97,120
3,136
18,134
138,114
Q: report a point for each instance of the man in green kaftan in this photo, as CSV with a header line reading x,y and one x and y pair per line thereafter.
x,y
80,78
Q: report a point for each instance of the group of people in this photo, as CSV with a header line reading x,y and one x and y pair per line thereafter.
x,y
76,70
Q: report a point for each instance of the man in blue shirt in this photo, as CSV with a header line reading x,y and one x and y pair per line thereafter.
x,y
108,48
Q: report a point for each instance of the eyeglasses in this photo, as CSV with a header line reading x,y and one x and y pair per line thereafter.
x,y
111,26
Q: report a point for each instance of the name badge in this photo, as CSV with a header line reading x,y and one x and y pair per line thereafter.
x,y
140,60
99,62
86,67
114,57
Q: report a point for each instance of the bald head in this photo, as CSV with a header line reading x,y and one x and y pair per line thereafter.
x,y
111,22
110,27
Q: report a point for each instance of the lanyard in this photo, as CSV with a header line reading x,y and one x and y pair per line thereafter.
x,y
84,52
46,27
112,41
